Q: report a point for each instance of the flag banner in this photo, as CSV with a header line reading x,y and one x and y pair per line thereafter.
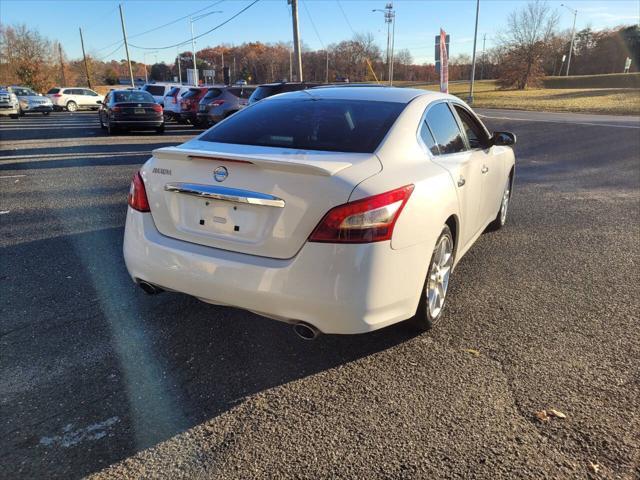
x,y
444,63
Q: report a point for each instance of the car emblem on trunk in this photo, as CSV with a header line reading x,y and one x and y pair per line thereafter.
x,y
220,174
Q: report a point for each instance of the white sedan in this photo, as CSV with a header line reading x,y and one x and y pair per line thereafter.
x,y
337,209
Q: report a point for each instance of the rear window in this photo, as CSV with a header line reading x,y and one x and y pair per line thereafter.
x,y
264,92
193,92
133,96
310,124
157,90
53,90
212,93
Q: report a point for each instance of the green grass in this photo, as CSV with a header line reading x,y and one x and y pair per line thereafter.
x,y
614,101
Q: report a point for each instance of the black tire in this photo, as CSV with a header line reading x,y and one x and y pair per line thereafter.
x,y
501,217
101,122
111,130
72,106
45,113
160,130
423,319
21,113
15,116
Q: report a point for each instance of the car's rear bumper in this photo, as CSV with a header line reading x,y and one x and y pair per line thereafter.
x,y
341,289
138,123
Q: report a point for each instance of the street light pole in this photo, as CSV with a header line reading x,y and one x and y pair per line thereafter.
x,y
389,18
473,62
573,35
193,43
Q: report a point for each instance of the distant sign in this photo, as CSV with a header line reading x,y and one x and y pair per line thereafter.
x,y
437,56
627,65
444,62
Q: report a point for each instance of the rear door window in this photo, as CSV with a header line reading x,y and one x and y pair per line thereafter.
x,y
445,129
427,138
310,124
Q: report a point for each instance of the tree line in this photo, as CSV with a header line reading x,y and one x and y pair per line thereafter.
x,y
529,48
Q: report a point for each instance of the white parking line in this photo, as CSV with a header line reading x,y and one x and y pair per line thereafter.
x,y
565,122
11,176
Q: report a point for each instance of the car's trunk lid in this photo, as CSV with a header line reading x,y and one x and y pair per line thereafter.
x,y
267,204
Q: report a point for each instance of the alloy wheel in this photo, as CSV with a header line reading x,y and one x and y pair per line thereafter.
x,y
504,205
439,272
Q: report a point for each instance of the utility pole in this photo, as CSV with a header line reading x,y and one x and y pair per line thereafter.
x,y
573,35
326,76
484,58
193,51
296,38
222,62
389,18
86,65
290,67
473,61
234,69
126,46
64,81
179,70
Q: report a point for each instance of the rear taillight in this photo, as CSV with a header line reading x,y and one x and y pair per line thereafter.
x,y
137,198
368,220
217,103
116,109
57,95
157,108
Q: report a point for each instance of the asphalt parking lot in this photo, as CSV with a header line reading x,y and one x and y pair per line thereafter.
x,y
98,378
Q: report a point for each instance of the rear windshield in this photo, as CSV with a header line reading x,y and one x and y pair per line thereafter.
x,y
193,92
310,124
264,92
53,90
132,96
157,90
212,93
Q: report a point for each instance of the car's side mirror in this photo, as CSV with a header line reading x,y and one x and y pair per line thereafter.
x,y
99,102
506,139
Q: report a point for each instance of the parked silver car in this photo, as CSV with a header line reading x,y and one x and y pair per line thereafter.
x,y
31,102
220,102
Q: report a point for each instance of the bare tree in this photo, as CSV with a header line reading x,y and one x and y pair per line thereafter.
x,y
526,37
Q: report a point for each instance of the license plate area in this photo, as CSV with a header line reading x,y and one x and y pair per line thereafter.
x,y
219,219
139,111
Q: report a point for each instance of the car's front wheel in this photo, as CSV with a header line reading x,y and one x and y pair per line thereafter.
x,y
436,284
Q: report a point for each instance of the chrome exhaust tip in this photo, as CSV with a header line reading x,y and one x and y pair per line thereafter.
x,y
149,288
306,331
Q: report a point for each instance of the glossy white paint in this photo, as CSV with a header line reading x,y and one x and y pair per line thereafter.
x,y
268,266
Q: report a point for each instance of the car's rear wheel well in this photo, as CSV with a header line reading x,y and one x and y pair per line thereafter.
x,y
452,223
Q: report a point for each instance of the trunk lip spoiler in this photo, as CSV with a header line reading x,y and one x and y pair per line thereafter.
x,y
326,168
226,194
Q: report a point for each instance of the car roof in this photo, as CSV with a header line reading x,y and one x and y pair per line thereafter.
x,y
377,93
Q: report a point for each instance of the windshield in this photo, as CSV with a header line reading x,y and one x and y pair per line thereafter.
x,y
133,96
310,124
24,92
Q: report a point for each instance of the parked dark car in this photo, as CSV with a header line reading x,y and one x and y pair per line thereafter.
x,y
130,110
219,103
189,105
269,89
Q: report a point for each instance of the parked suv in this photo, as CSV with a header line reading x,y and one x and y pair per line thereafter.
x,y
9,104
171,102
189,105
219,103
269,89
158,90
30,101
73,99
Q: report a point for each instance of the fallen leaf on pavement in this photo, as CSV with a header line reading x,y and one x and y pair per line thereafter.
x,y
473,352
542,416
595,468
555,413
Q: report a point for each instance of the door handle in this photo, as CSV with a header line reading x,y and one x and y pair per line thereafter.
x,y
485,169
461,181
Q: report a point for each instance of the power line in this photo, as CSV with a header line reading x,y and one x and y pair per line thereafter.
x,y
202,34
313,24
121,43
159,27
345,17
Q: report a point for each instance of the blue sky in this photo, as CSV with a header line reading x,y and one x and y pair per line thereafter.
x,y
417,22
